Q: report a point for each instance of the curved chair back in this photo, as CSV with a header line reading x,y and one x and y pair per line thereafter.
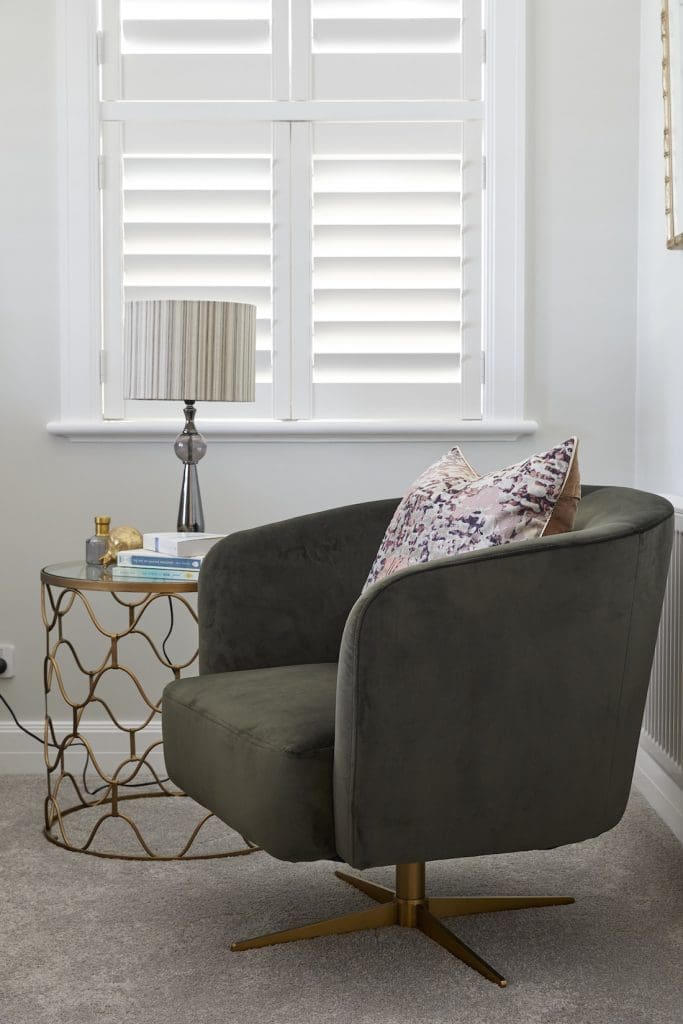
x,y
492,702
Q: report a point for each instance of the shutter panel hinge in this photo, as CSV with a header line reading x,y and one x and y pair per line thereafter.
x,y
100,172
103,366
484,45
99,43
483,172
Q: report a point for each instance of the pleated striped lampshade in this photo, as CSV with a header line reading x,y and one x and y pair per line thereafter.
x,y
177,349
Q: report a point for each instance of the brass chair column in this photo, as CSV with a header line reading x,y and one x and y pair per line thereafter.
x,y
410,892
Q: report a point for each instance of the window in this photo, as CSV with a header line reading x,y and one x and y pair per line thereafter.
x,y
325,160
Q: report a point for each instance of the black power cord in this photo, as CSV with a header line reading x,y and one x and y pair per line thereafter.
x,y
55,746
170,630
18,724
39,739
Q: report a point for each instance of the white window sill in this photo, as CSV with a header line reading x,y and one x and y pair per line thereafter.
x,y
294,430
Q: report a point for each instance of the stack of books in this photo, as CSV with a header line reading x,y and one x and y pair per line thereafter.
x,y
165,556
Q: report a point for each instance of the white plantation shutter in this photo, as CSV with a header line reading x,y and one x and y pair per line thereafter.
x,y
196,223
188,204
355,228
388,250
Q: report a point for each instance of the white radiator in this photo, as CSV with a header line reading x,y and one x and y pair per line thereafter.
x,y
662,733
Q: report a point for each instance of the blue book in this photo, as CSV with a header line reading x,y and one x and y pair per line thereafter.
x,y
143,572
155,560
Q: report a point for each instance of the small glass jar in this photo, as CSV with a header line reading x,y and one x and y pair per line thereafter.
x,y
96,545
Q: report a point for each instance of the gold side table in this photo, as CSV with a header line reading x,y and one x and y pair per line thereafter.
x,y
74,686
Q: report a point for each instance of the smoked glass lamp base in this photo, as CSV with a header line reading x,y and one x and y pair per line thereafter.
x,y
190,447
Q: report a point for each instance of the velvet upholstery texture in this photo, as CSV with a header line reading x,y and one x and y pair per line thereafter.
x,y
269,734
487,702
281,594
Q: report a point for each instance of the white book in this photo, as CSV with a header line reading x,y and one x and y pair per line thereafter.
x,y
182,544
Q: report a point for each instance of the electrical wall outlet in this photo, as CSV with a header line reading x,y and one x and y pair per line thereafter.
x,y
6,659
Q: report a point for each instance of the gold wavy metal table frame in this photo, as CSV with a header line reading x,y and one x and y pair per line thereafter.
x,y
59,593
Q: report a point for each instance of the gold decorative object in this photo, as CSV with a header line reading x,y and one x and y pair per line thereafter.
x,y
121,538
410,907
75,687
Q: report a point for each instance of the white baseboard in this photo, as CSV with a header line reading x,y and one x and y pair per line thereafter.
x,y
21,755
661,792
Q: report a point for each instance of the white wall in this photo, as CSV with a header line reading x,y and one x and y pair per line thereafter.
x,y
582,185
659,453
659,394
582,181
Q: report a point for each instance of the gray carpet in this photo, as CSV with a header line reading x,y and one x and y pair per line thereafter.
x,y
84,940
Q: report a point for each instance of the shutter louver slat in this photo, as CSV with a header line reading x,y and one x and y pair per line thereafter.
x,y
187,206
357,208
417,305
372,175
191,10
432,368
197,269
372,272
387,240
225,293
147,37
183,239
388,9
353,337
398,35
220,173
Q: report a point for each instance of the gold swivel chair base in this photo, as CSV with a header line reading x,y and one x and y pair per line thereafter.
x,y
409,906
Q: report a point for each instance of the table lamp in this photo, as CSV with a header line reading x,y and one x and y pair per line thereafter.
x,y
190,351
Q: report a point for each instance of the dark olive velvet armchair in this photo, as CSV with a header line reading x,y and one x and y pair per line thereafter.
x,y
484,703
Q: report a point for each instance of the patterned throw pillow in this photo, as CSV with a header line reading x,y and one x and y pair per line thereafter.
x,y
451,509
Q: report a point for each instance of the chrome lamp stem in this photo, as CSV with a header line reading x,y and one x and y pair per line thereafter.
x,y
190,447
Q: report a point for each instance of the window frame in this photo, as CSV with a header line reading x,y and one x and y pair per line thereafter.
x,y
81,264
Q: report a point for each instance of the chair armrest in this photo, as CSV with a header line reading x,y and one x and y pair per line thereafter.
x,y
280,594
492,702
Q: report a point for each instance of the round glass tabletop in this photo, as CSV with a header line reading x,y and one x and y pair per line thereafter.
x,y
81,576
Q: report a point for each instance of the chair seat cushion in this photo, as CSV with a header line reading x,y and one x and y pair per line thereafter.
x,y
256,748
